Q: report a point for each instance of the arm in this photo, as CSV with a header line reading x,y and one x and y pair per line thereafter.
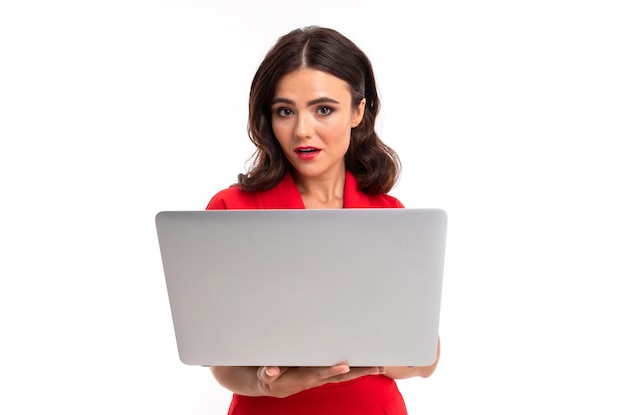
x,y
403,372
283,381
238,379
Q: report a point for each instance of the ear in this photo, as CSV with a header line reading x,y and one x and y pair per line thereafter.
x,y
358,113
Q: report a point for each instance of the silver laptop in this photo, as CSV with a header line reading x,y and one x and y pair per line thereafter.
x,y
304,287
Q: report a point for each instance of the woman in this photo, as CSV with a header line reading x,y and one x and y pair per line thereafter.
x,y
313,106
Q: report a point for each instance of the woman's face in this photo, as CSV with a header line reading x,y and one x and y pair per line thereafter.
x,y
312,118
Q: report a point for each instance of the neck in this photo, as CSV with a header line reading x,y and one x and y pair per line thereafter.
x,y
321,192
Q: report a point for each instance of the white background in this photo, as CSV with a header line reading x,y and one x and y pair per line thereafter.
x,y
509,115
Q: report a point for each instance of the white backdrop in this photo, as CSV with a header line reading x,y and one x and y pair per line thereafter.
x,y
512,117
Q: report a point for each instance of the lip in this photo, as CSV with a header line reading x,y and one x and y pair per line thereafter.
x,y
307,153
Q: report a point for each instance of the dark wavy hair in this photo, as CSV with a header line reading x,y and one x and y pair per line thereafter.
x,y
375,165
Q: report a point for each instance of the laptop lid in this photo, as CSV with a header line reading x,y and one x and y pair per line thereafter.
x,y
304,287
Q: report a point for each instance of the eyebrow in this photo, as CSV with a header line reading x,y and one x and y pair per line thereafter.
x,y
321,100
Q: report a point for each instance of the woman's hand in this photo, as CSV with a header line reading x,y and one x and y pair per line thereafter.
x,y
284,381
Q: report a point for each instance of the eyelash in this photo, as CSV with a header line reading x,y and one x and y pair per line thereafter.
x,y
281,112
323,111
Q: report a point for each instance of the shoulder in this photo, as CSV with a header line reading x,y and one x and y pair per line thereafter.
x,y
355,198
234,198
384,201
284,195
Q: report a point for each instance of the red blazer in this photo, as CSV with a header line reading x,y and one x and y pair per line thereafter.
x,y
285,195
376,394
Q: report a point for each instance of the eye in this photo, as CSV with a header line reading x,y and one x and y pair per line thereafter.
x,y
284,112
324,110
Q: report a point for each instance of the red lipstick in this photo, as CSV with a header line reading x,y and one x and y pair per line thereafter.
x,y
307,153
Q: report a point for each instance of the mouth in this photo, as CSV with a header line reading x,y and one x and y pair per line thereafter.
x,y
307,153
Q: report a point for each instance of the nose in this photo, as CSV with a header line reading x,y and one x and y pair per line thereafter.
x,y
304,127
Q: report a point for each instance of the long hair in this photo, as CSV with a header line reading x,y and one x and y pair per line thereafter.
x,y
375,165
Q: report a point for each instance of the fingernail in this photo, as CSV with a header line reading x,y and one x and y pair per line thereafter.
x,y
271,371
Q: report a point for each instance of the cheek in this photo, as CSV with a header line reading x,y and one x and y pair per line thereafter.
x,y
281,131
338,134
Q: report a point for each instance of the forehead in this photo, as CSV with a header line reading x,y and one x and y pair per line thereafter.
x,y
309,82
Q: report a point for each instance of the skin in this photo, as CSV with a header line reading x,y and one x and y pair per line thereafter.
x,y
311,110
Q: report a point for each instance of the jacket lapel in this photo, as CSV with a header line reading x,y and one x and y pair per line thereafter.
x,y
284,195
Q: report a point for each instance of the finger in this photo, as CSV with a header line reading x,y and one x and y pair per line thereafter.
x,y
375,370
356,372
336,370
337,373
269,374
272,371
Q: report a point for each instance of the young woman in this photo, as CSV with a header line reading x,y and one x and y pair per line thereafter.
x,y
313,106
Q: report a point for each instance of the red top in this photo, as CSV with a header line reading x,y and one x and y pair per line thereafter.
x,y
375,394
